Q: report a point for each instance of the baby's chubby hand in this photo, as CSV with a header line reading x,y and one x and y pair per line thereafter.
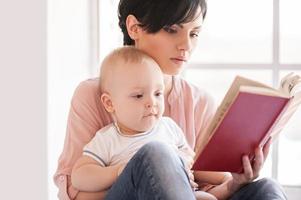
x,y
187,155
120,168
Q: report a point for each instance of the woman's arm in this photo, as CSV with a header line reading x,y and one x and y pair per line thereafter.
x,y
86,116
87,175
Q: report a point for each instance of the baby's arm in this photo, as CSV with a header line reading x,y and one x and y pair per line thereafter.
x,y
201,195
214,178
88,175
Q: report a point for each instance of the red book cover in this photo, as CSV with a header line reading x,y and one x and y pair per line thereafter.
x,y
242,129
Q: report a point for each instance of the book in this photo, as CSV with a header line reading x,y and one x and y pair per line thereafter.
x,y
250,113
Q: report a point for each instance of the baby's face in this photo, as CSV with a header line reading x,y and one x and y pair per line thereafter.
x,y
137,96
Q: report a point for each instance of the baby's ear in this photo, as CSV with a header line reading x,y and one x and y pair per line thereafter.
x,y
107,102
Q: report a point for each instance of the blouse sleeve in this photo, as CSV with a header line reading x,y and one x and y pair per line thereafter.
x,y
86,116
204,112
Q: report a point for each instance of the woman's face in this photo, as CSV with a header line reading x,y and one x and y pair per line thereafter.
x,y
172,46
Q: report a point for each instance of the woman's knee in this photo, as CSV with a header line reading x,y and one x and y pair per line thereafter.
x,y
270,187
267,184
265,188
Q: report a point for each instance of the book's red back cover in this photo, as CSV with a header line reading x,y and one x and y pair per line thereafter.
x,y
243,127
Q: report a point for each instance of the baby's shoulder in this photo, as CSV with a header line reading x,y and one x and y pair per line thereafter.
x,y
107,131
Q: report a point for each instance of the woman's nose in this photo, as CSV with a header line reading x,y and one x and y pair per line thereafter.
x,y
185,44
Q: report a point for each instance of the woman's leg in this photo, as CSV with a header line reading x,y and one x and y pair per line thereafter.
x,y
155,172
265,189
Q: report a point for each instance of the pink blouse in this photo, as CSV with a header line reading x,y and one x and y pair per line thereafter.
x,y
190,107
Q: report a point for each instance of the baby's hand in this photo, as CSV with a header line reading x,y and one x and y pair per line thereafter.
x,y
201,195
120,168
187,155
193,184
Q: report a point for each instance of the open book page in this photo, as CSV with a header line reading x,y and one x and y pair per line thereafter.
x,y
291,85
263,91
288,87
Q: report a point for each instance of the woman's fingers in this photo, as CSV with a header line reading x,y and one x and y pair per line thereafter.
x,y
266,148
260,157
258,162
252,170
248,170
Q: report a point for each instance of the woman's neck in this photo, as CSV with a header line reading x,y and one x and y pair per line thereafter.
x,y
168,85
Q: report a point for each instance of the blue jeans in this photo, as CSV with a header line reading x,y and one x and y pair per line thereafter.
x,y
263,189
154,172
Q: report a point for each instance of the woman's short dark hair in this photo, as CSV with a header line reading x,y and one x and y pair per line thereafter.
x,y
153,15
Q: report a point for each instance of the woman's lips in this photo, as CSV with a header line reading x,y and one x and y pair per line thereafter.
x,y
178,60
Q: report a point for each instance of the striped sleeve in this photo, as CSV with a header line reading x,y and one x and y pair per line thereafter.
x,y
98,150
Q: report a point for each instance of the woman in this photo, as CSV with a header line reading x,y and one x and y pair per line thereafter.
x,y
168,31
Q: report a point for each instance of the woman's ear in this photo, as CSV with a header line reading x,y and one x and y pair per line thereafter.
x,y
132,26
107,102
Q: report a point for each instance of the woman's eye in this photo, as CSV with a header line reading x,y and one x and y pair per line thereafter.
x,y
196,34
170,29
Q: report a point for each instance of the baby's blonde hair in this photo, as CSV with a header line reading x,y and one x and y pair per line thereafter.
x,y
127,54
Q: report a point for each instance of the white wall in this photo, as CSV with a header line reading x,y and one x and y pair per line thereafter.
x,y
23,131
46,49
71,58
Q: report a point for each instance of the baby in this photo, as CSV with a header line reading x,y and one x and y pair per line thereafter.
x,y
132,91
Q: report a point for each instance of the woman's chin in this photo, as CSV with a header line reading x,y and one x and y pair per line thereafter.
x,y
175,71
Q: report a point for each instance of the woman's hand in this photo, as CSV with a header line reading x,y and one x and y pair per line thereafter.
x,y
251,170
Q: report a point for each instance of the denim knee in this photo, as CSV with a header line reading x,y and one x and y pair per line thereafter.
x,y
271,188
152,169
159,154
156,149
265,188
267,184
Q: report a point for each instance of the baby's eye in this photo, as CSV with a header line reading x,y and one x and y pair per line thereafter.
x,y
158,94
138,96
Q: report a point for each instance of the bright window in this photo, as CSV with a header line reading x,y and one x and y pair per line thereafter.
x,y
290,32
260,39
236,31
